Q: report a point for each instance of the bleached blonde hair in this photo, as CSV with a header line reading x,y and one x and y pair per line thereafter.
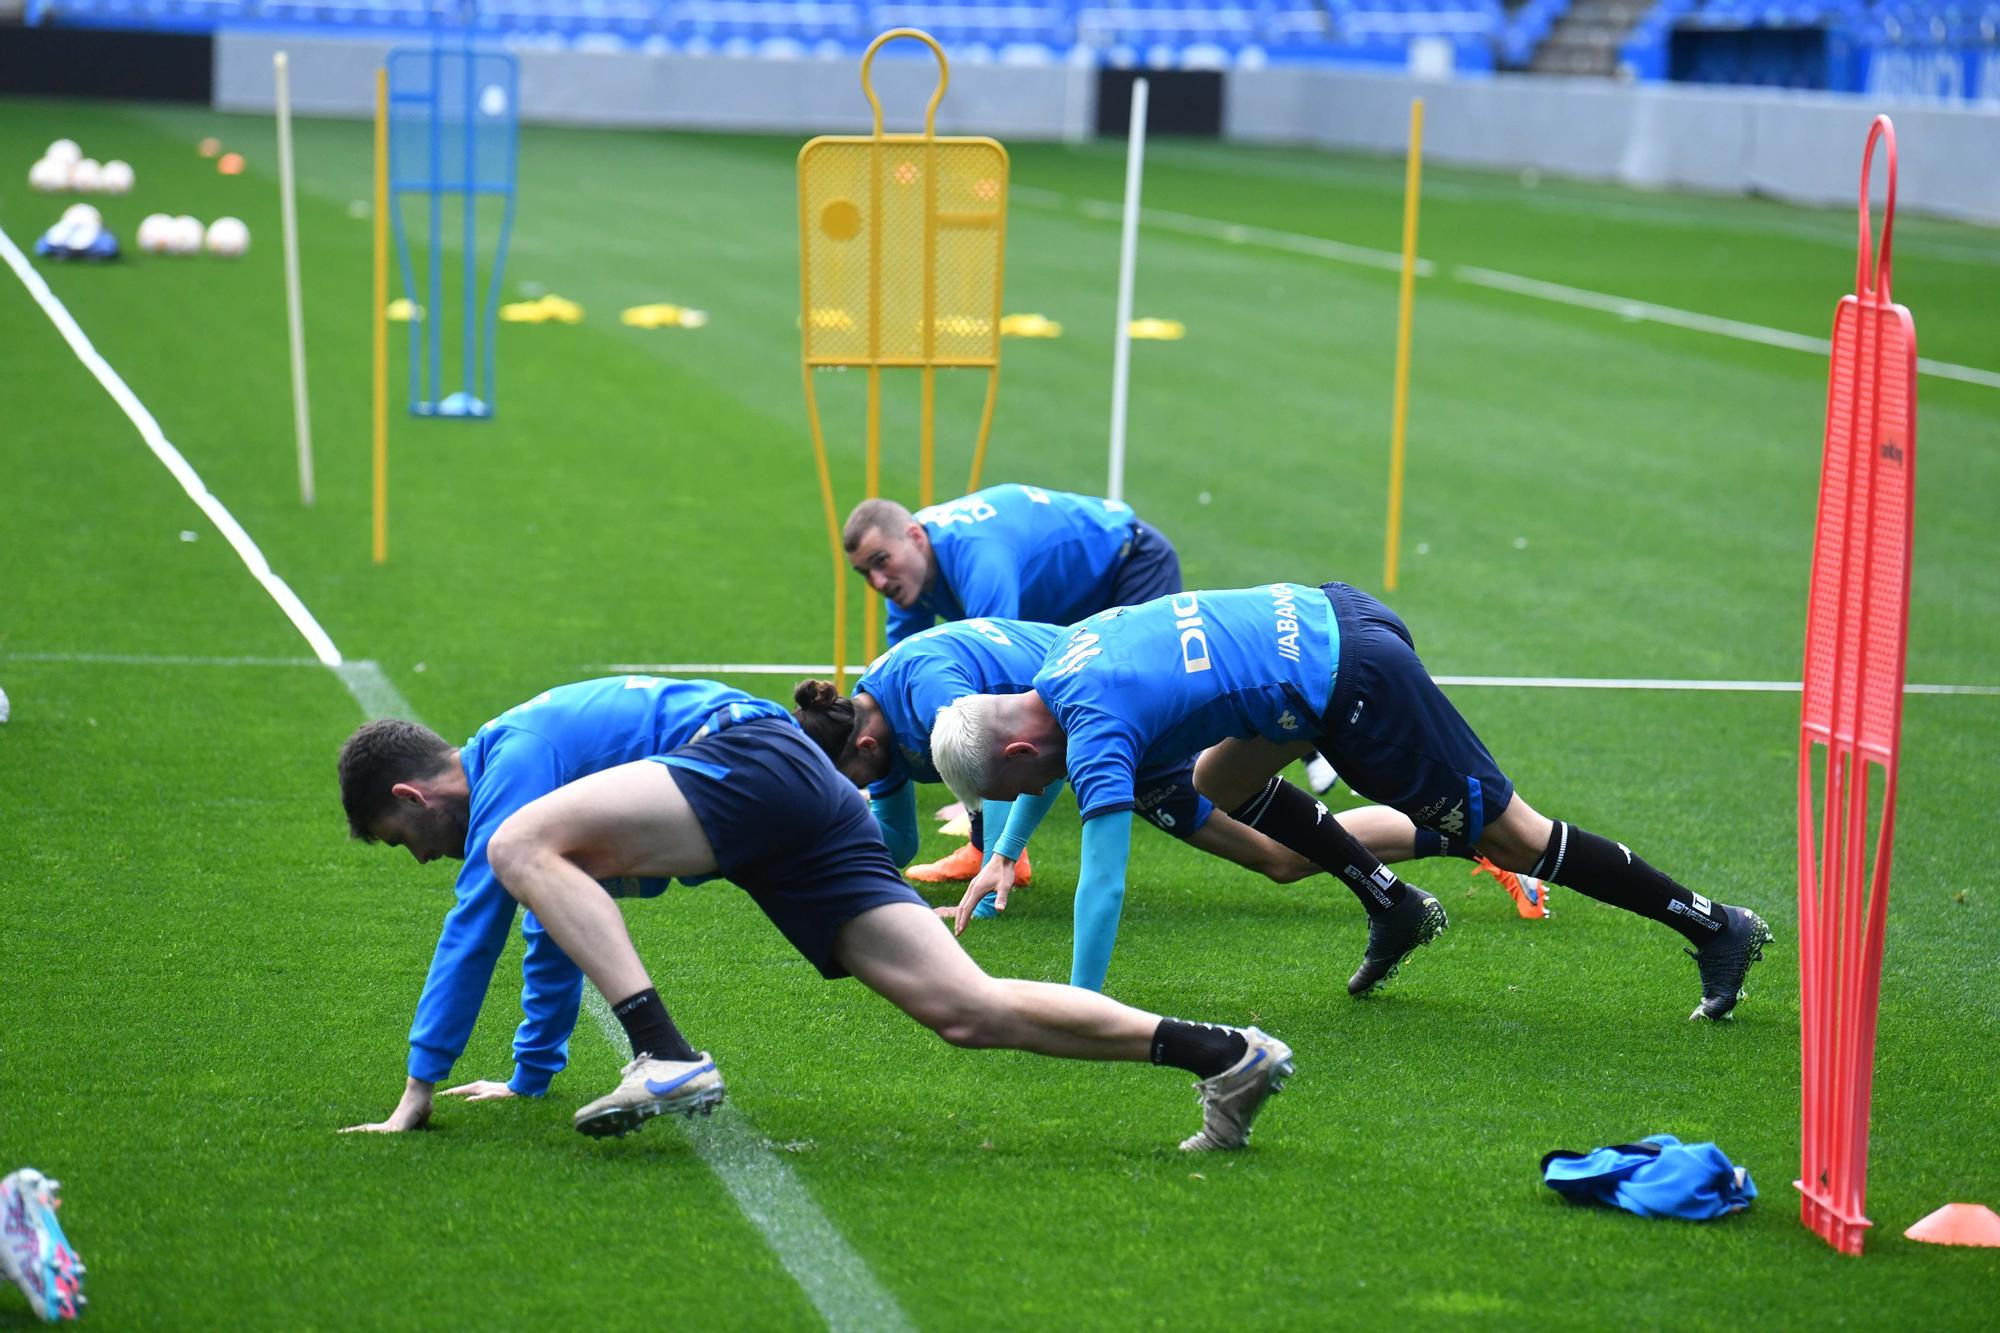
x,y
962,746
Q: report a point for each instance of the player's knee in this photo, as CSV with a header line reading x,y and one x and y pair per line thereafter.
x,y
511,849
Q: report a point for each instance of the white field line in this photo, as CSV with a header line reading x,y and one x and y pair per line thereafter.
x,y
1502,682
156,440
1623,307
166,659
833,1276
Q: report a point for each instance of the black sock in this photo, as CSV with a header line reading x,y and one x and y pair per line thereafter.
x,y
1289,816
1200,1048
649,1029
1608,872
978,821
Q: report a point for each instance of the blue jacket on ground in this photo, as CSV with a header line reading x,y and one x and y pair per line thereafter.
x,y
527,752
1659,1176
1019,553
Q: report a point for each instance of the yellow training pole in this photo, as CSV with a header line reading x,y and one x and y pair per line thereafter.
x,y
1411,183
381,316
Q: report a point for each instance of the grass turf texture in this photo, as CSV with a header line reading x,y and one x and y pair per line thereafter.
x,y
202,977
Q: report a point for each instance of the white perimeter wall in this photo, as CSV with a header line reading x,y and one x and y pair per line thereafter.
x,y
1802,147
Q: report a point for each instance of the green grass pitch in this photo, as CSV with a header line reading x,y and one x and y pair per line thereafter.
x,y
201,977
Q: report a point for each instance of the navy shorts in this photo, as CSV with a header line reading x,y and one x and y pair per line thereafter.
x,y
1166,799
789,830
1392,734
1151,568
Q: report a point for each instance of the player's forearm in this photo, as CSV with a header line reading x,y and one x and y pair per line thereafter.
x,y
896,813
1100,897
1022,820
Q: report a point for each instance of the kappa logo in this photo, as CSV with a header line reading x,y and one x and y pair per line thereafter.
x,y
1454,820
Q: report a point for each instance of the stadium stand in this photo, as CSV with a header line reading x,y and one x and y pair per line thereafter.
x,y
1939,49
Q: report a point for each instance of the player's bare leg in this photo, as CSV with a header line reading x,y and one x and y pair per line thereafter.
x,y
909,957
630,820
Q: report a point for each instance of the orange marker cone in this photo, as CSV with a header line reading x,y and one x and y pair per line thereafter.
x,y
1959,1224
230,164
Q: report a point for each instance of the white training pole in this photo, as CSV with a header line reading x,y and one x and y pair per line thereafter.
x,y
287,191
1128,253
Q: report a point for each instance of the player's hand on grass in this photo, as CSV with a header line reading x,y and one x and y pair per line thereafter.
x,y
995,877
483,1090
412,1112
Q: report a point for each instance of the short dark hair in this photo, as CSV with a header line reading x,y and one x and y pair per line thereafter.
x,y
376,758
885,516
826,715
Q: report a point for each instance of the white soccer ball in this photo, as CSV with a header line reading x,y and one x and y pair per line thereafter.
x,y
228,237
186,238
116,177
83,213
86,175
49,176
64,151
156,234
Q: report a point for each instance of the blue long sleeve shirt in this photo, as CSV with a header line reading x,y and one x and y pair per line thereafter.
x,y
1137,689
1019,553
527,752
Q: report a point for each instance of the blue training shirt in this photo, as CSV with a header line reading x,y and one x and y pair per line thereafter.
x,y
1019,553
938,667
1143,687
528,751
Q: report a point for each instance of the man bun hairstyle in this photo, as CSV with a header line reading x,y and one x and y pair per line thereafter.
x,y
826,715
376,758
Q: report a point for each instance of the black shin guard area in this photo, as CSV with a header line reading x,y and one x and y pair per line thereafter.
x,y
1287,815
1200,1048
1609,872
649,1028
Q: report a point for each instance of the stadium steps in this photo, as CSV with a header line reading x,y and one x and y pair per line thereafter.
x,y
1586,40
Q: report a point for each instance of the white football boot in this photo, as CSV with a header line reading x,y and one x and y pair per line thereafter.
x,y
651,1087
1230,1100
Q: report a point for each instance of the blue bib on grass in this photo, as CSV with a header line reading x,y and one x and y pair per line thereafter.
x,y
1657,1177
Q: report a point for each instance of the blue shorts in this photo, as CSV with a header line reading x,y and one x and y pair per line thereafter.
x,y
1393,735
1151,568
1166,799
789,830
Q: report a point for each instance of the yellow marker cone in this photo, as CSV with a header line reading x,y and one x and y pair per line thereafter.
x,y
549,309
663,316
1029,326
1159,330
402,310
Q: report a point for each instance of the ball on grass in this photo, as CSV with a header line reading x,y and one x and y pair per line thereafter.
x,y
116,177
228,237
186,237
86,175
64,151
49,176
156,234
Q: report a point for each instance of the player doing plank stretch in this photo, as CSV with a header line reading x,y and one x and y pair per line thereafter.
x,y
659,779
1251,680
881,739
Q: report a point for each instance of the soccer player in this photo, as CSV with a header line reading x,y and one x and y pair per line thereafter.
x,y
1263,676
1010,552
649,778
880,739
